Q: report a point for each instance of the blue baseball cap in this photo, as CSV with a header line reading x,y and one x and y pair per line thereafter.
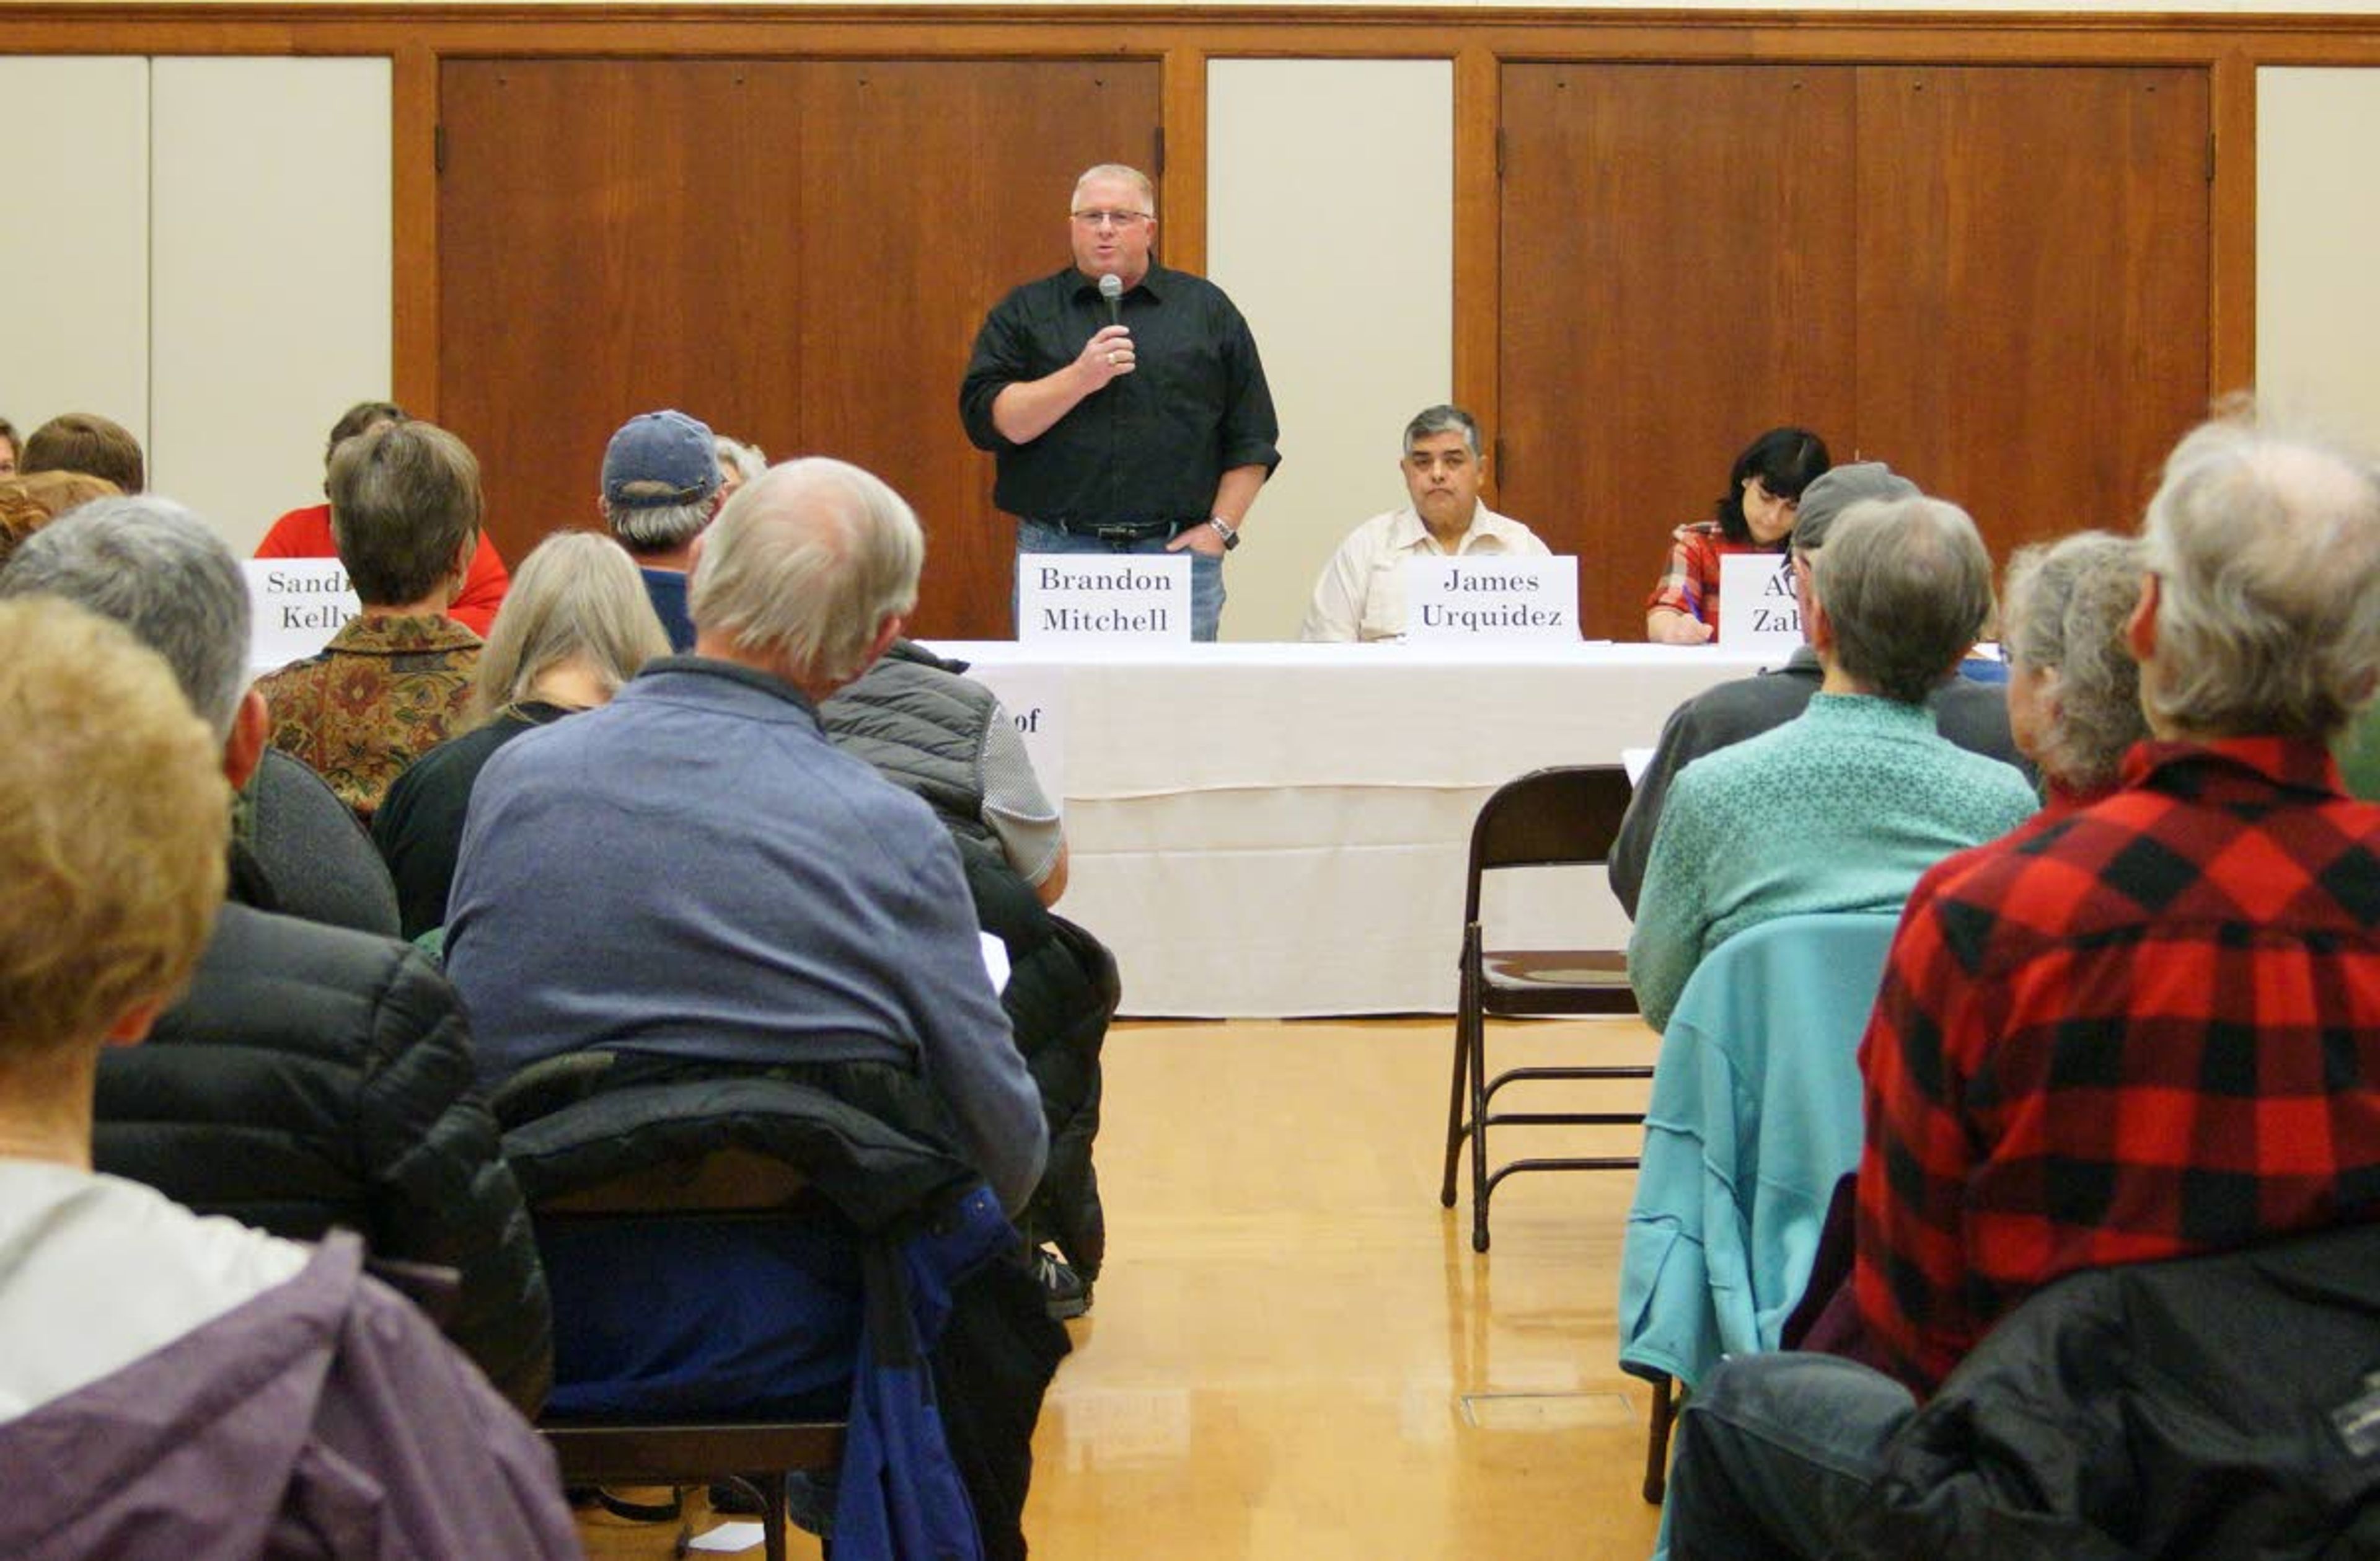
x,y
666,458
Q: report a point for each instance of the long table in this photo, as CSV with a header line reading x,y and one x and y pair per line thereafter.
x,y
1275,831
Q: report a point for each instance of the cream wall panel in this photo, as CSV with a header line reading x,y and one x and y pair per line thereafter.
x,y
272,279
1331,223
76,271
2317,234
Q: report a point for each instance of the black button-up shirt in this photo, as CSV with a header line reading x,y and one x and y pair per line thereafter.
x,y
1152,444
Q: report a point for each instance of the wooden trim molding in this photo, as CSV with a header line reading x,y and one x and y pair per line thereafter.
x,y
2231,226
413,304
1478,255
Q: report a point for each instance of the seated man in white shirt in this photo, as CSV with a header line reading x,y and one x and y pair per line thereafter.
x,y
1362,592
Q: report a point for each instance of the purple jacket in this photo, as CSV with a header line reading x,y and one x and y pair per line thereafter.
x,y
323,1418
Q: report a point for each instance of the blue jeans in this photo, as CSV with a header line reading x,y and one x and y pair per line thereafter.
x,y
1206,572
1775,1452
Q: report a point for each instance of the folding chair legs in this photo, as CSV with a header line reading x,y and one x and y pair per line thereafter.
x,y
1482,1186
1470,1088
1657,1439
1455,1130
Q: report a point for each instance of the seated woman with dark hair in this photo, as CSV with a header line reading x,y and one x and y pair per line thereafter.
x,y
2073,688
1755,515
576,626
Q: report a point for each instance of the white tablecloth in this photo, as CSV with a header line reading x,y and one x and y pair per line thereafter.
x,y
1281,830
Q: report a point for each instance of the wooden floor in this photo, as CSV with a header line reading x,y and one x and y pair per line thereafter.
x,y
1294,1352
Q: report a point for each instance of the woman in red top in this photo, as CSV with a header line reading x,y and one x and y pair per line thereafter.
x,y
305,533
1755,515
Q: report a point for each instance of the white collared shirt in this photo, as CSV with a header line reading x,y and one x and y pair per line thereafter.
x,y
1362,592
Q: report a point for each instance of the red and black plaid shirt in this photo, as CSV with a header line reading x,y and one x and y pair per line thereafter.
x,y
2146,1028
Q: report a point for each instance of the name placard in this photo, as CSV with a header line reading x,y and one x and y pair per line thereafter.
x,y
1491,597
1141,598
297,606
1758,609
1035,698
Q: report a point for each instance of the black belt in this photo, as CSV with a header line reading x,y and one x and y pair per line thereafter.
x,y
1126,530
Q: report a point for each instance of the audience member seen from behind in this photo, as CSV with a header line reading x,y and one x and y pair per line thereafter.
x,y
1842,808
160,568
2198,950
283,1400
576,627
1755,515
662,484
305,532
87,443
310,1077
29,503
690,886
1972,715
1361,593
738,463
929,729
23,509
2073,688
395,682
868,951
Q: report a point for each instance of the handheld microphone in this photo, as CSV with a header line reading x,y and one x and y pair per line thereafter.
x,y
1111,289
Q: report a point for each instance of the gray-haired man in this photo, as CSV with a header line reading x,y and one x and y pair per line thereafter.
x,y
661,486
1361,593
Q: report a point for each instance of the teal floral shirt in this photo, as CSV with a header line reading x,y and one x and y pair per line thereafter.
x,y
1840,808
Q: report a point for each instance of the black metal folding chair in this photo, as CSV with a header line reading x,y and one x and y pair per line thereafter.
x,y
1564,816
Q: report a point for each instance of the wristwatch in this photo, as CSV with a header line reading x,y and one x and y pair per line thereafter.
x,y
1230,533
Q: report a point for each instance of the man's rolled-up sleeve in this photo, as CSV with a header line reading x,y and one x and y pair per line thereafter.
x,y
1251,432
999,360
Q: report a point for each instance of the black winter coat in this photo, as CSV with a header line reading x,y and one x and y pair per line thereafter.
x,y
2205,1408
315,1077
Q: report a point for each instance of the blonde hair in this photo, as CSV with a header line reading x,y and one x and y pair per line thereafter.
x,y
113,817
1118,173
802,567
577,595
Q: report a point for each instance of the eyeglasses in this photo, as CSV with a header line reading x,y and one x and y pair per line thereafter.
x,y
1110,219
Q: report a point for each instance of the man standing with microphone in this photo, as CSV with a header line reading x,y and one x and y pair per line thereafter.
x,y
1124,403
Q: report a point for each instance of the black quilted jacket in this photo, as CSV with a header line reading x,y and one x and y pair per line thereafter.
x,y
315,1077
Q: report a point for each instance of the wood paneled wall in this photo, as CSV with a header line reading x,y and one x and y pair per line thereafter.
x,y
797,252
453,299
1994,277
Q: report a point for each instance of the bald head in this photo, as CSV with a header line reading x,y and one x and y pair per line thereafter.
x,y
805,570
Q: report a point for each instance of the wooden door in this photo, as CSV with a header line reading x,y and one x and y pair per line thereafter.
x,y
797,253
2032,286
1994,277
1677,254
